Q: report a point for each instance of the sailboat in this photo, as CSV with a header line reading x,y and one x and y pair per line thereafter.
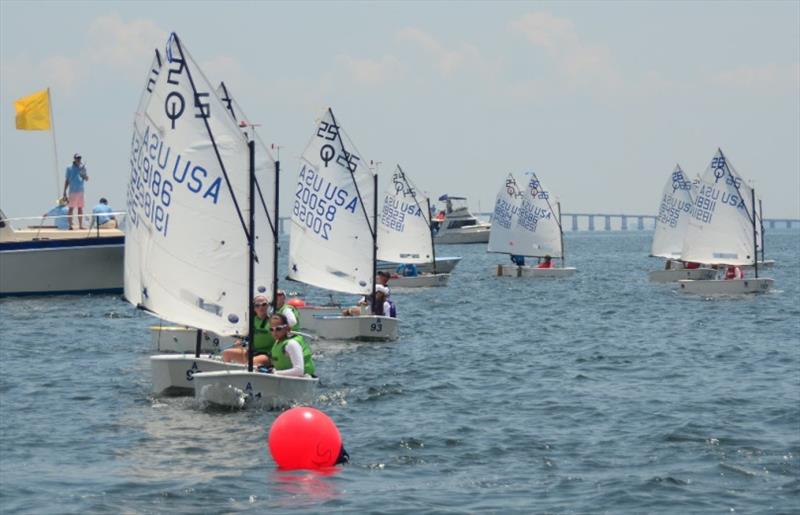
x,y
405,234
525,223
333,240
190,233
723,230
170,338
674,212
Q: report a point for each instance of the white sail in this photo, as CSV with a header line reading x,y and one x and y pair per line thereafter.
x,y
673,216
331,242
404,234
540,217
266,228
133,248
504,235
720,229
188,205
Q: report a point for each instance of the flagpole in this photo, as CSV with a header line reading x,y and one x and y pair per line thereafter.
x,y
59,190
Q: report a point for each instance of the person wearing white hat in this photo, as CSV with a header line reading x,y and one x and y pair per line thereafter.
x,y
76,176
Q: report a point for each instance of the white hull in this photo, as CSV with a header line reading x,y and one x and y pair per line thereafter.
x,y
761,264
310,316
362,327
727,287
420,281
468,234
94,265
184,340
240,388
531,271
173,374
444,265
670,276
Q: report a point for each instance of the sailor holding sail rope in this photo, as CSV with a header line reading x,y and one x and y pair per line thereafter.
x,y
262,338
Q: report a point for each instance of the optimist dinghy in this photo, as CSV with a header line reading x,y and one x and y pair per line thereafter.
x,y
333,241
723,230
526,223
405,234
674,212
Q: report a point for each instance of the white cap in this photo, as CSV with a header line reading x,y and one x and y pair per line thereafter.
x,y
381,288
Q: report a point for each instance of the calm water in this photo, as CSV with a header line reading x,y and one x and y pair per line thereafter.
x,y
599,393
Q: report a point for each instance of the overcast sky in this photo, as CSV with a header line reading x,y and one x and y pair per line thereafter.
x,y
600,99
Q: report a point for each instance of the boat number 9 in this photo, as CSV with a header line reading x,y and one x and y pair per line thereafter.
x,y
376,327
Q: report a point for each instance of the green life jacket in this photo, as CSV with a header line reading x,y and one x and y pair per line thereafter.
x,y
262,337
281,361
294,312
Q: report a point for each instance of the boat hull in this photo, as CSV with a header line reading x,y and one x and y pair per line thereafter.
x,y
362,327
38,267
420,281
727,287
531,271
241,389
444,265
310,315
184,340
671,276
469,234
173,374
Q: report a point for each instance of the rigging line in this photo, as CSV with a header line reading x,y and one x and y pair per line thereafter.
x,y
213,141
229,105
372,229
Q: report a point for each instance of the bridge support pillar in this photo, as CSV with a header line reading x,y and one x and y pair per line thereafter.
x,y
607,223
640,223
574,223
624,223
591,222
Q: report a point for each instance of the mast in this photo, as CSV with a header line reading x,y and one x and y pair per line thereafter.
x,y
251,269
430,230
761,223
561,235
374,235
755,234
275,241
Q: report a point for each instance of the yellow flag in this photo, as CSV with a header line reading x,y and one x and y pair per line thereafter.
x,y
33,111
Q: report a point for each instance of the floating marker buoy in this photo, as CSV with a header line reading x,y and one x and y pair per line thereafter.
x,y
304,438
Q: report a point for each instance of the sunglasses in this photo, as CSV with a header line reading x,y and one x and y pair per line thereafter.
x,y
278,328
262,304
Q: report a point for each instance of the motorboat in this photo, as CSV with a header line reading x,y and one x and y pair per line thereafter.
x,y
456,224
33,259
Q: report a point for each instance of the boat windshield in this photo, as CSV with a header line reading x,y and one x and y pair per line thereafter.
x,y
455,204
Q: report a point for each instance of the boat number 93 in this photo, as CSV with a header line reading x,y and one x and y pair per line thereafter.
x,y
376,327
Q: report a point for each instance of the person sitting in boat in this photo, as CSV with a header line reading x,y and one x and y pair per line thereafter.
x,y
407,270
382,278
547,263
262,338
291,313
103,215
733,272
291,355
382,306
518,260
59,214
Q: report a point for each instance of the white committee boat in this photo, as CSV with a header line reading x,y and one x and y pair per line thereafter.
x,y
405,234
33,259
455,224
674,211
190,250
723,230
443,265
333,240
525,224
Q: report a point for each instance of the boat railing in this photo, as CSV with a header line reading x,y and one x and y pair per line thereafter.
x,y
38,223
